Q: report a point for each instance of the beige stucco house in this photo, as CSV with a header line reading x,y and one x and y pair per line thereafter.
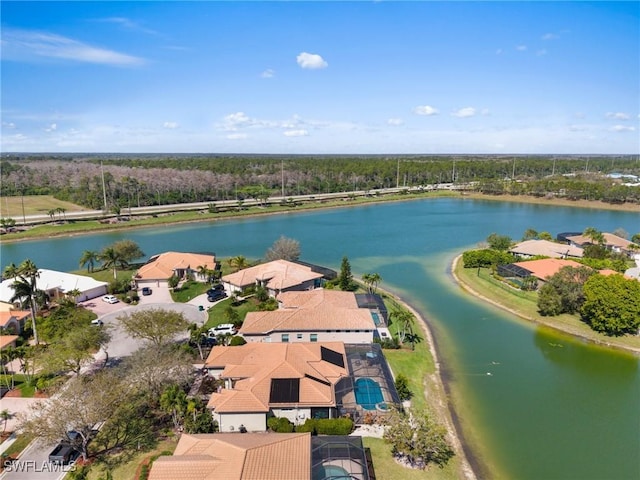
x,y
311,316
277,277
161,267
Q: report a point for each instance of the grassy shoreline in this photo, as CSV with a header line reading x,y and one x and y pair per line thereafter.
x,y
84,227
481,285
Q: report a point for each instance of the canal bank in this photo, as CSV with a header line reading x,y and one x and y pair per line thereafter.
x,y
587,335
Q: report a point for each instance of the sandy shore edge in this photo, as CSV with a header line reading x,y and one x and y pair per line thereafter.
x,y
440,403
537,321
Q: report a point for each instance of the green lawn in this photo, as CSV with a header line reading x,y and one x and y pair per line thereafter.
x,y
217,316
20,382
386,468
524,304
188,291
22,441
106,275
127,471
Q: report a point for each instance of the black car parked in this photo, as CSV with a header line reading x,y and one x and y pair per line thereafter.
x,y
215,295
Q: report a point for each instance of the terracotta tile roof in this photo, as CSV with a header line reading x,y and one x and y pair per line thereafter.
x,y
546,248
611,240
162,266
309,317
546,267
7,340
5,317
319,296
278,275
237,456
270,361
608,271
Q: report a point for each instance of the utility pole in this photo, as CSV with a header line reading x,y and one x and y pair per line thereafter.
x,y
104,190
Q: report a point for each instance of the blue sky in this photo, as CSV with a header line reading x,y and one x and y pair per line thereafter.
x,y
321,77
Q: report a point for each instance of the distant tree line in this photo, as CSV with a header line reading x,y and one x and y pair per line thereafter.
x,y
142,180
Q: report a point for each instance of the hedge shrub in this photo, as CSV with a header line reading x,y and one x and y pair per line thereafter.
x,y
327,426
486,258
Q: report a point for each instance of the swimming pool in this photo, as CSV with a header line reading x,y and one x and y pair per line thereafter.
x,y
376,318
368,393
331,472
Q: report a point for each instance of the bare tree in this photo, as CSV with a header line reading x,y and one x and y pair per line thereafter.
x,y
283,249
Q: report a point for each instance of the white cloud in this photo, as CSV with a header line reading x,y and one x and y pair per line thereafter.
x,y
296,133
464,112
311,61
9,125
26,45
171,125
395,121
268,73
550,36
235,120
521,48
622,128
127,24
236,136
51,128
618,115
425,110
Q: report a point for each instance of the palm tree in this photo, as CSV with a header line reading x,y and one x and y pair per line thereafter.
x,y
205,272
5,415
111,258
405,323
89,258
72,295
238,263
595,235
371,280
24,286
52,214
62,211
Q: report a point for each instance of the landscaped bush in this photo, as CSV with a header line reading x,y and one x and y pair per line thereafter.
x,y
236,341
486,258
280,425
327,426
388,343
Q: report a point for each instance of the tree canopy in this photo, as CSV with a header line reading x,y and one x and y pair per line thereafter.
x,y
612,304
563,291
155,325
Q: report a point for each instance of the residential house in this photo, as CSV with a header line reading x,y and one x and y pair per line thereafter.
x,y
277,276
534,248
540,269
292,380
7,341
298,381
312,316
236,456
262,456
57,285
161,267
611,242
14,320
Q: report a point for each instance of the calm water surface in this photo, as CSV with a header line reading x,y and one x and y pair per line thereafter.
x,y
552,408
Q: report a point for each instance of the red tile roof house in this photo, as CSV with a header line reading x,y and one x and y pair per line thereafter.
x,y
277,276
14,320
236,456
292,380
161,267
311,316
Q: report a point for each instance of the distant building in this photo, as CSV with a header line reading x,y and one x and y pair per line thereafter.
x,y
161,267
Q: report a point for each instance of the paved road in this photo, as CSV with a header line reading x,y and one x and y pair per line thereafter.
x,y
34,464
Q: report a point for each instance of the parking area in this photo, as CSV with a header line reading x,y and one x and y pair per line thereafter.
x,y
100,307
159,294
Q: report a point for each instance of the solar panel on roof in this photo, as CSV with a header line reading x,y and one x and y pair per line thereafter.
x,y
285,390
324,382
332,356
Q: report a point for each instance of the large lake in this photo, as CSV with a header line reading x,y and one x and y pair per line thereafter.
x,y
552,408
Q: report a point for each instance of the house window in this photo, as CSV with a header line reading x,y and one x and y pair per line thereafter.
x,y
313,337
285,338
299,336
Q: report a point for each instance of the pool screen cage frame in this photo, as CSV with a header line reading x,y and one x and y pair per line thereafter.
x,y
344,452
365,361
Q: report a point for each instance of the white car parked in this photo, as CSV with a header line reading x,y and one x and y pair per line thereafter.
x,y
223,329
110,299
